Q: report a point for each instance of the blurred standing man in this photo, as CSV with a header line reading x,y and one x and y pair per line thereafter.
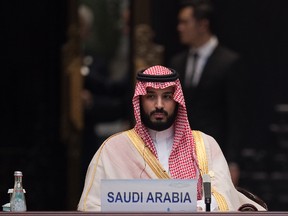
x,y
207,71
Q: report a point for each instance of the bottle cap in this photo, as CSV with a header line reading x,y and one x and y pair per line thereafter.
x,y
18,173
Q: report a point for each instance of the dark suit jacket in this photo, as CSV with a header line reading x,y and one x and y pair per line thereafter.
x,y
214,106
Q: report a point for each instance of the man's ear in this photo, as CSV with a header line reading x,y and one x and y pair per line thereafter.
x,y
204,24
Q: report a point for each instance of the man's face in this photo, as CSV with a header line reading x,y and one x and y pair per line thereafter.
x,y
188,27
158,109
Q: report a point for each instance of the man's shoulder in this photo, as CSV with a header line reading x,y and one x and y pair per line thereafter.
x,y
202,135
197,131
226,53
179,57
180,54
120,136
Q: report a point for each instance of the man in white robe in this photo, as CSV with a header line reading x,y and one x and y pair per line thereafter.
x,y
161,146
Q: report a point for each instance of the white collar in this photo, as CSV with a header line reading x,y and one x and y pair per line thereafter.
x,y
168,133
206,49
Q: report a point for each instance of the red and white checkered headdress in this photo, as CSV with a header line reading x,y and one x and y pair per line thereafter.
x,y
182,161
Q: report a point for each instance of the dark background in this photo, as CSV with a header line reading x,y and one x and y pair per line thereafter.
x,y
32,35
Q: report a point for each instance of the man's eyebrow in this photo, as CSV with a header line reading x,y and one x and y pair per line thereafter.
x,y
150,91
169,92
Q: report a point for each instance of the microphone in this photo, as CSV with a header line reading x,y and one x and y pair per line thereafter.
x,y
207,191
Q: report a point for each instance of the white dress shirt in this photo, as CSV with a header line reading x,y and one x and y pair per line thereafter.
x,y
203,54
163,141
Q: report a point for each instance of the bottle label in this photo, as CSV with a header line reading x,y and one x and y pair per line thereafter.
x,y
18,190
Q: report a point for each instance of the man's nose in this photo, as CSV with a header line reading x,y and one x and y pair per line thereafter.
x,y
159,103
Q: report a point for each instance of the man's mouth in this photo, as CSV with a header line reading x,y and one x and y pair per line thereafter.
x,y
158,115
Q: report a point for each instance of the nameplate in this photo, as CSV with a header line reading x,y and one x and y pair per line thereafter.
x,y
157,195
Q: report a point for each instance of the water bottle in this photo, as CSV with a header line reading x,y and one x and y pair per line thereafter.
x,y
17,202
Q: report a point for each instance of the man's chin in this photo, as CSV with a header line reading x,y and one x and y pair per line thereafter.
x,y
159,120
159,126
